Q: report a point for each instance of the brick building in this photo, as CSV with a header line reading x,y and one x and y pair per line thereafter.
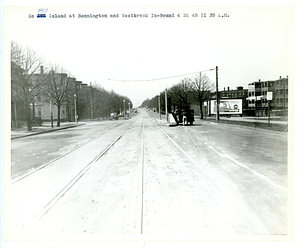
x,y
257,97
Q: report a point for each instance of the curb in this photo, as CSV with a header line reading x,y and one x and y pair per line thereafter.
x,y
275,127
46,131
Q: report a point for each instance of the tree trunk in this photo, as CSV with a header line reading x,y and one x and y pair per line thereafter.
x,y
28,116
200,104
58,115
33,114
201,110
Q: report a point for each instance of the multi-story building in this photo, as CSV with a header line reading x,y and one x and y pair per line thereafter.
x,y
258,101
78,93
41,105
239,93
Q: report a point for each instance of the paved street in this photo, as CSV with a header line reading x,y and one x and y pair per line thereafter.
x,y
140,176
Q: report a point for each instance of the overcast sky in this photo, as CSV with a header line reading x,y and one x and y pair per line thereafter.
x,y
252,43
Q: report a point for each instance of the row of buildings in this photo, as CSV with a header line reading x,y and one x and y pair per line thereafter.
x,y
80,101
75,97
255,100
259,99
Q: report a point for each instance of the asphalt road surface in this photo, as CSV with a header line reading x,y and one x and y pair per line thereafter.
x,y
142,177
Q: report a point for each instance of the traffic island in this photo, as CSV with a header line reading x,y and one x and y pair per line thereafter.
x,y
253,124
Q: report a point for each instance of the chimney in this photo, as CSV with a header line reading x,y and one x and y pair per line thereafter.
x,y
42,69
228,88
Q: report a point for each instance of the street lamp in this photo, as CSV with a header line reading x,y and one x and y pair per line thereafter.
x,y
75,108
124,107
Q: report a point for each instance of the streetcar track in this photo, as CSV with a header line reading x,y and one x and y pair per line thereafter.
x,y
142,163
75,179
141,197
61,156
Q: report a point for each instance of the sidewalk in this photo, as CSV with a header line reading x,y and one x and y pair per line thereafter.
x,y
275,124
45,128
249,119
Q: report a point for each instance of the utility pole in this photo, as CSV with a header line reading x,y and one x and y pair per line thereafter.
x,y
166,102
92,114
124,109
200,100
129,109
159,106
217,95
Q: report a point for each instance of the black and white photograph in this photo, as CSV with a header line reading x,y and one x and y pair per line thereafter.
x,y
148,123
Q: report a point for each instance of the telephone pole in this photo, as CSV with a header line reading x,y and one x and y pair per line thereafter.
x,y
166,103
217,95
159,106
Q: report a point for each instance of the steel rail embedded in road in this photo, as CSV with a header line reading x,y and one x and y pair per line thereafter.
x,y
142,163
64,190
141,197
61,156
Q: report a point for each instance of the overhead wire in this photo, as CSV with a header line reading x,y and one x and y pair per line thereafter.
x,y
148,80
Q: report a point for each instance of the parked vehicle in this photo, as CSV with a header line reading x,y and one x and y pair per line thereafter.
x,y
113,116
184,116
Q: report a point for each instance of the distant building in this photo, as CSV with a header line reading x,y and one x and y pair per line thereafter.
x,y
239,93
41,105
257,97
228,97
17,105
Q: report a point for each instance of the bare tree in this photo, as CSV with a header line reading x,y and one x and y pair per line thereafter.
x,y
182,94
24,85
202,87
57,88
